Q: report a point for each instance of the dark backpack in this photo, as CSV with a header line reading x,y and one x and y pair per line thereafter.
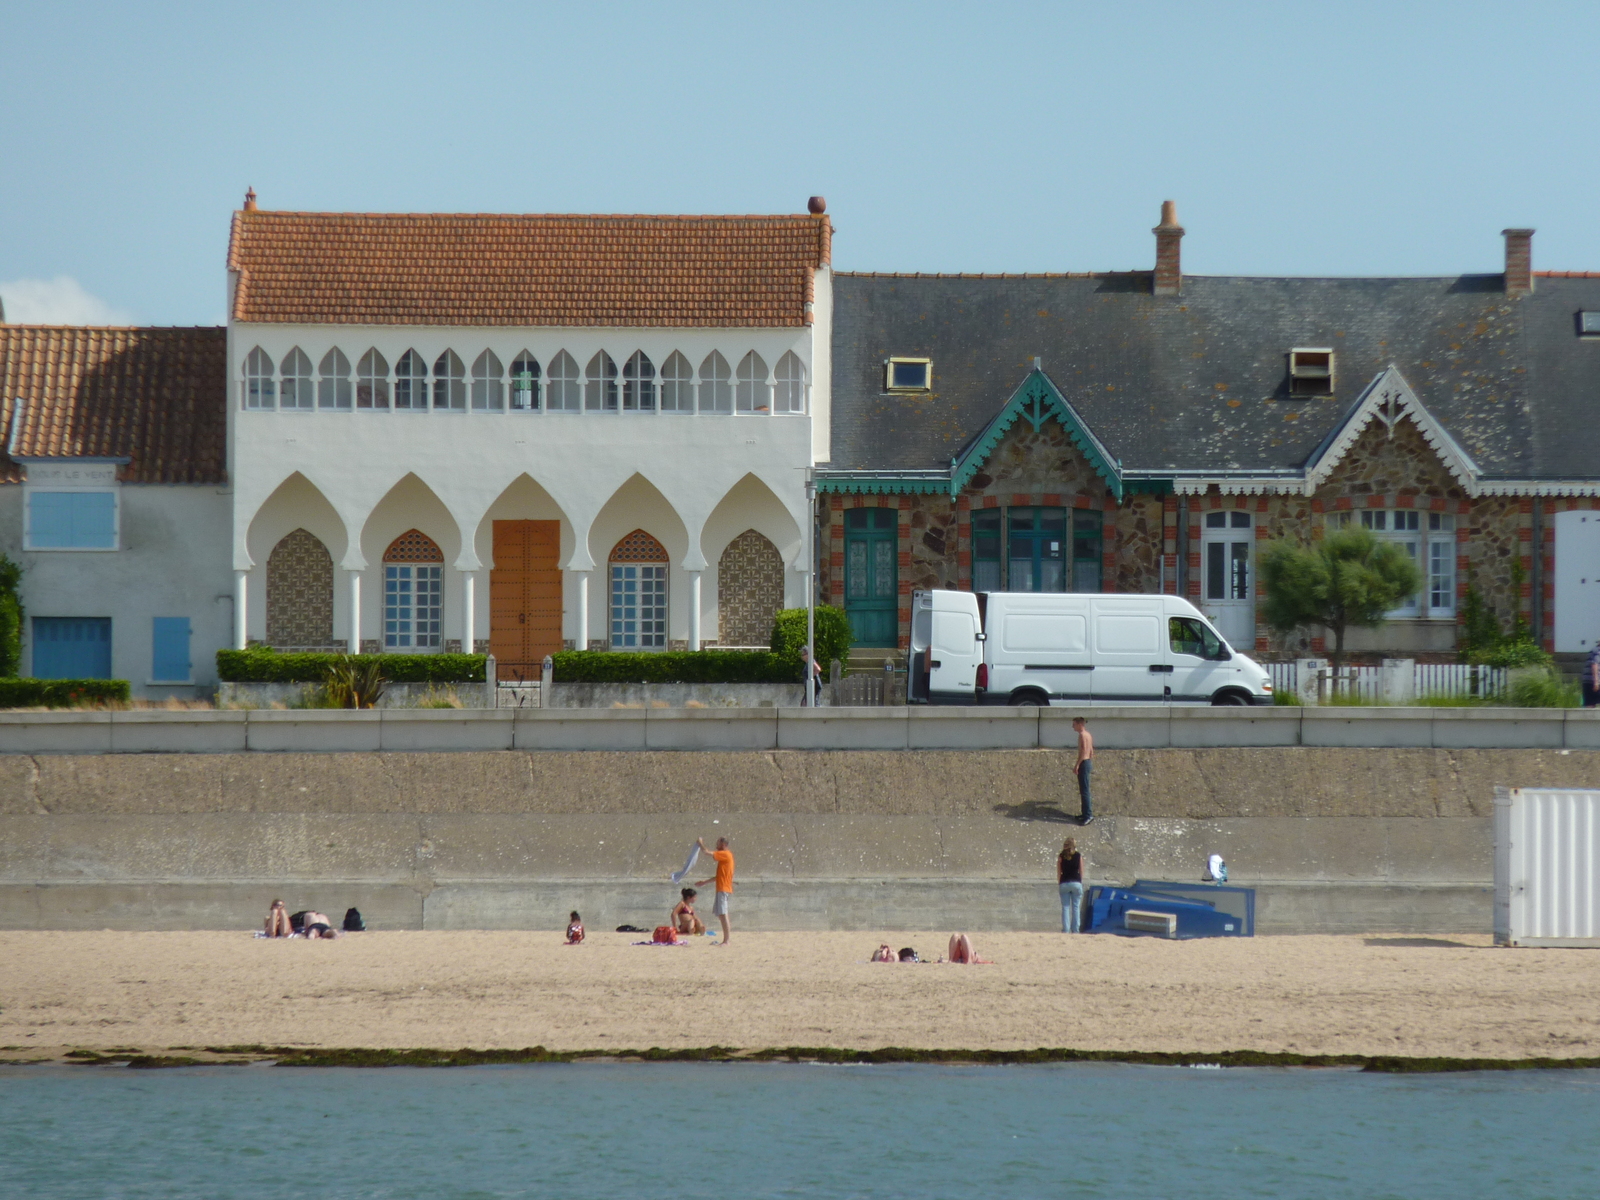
x,y
353,922
297,921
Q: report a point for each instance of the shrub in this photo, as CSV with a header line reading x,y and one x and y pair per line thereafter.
x,y
1544,690
674,666
10,618
832,633
355,682
260,664
61,693
1513,652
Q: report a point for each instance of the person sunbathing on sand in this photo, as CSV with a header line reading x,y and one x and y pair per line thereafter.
x,y
683,918
885,953
277,923
961,950
318,926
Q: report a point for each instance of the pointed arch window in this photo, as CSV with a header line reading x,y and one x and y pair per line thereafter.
x,y
754,393
524,383
259,390
411,382
372,381
296,389
639,383
600,387
565,390
488,390
677,384
413,593
789,396
716,387
638,593
333,386
449,382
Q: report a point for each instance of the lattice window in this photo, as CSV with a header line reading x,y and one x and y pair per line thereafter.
x,y
296,389
755,394
372,380
449,382
411,381
333,388
413,546
716,386
600,390
488,392
299,592
639,383
677,384
639,546
790,394
525,383
259,390
749,590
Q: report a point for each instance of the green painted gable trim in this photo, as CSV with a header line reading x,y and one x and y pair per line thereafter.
x,y
1036,401
885,485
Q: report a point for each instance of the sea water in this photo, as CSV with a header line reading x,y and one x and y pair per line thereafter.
x,y
732,1131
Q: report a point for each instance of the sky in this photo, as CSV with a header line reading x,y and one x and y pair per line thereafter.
x,y
1297,139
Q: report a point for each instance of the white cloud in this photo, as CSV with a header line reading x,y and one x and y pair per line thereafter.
x,y
58,301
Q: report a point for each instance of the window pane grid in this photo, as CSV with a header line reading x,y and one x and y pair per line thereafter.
x,y
413,605
638,606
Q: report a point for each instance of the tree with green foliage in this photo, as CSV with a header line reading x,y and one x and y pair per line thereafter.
x,y
833,634
1347,580
10,618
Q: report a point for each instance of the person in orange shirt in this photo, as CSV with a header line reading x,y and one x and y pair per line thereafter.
x,y
724,860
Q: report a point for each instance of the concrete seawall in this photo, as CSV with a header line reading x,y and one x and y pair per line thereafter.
x,y
1336,840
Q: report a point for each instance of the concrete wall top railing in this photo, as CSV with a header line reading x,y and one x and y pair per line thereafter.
x,y
1120,728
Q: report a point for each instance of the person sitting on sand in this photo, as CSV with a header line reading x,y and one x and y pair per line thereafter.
x,y
574,930
683,917
884,953
961,950
907,954
277,924
318,926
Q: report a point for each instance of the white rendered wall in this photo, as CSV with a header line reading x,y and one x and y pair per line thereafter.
x,y
357,479
173,563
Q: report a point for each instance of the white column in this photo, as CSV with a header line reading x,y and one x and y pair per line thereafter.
x,y
355,612
469,623
694,609
581,634
241,588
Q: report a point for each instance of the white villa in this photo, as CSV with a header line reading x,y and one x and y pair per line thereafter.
x,y
522,433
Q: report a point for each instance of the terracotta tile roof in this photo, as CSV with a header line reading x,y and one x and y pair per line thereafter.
x,y
155,396
1567,274
484,269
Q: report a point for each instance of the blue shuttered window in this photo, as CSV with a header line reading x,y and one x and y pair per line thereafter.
x,y
72,521
169,657
72,647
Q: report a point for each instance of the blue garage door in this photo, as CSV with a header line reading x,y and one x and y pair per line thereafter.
x,y
72,647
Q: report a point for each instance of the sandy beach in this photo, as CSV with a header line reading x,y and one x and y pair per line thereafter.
x,y
1454,996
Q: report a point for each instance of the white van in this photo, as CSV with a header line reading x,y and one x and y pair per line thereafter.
x,y
1042,648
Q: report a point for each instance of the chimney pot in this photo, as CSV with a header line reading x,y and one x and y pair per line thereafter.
x,y
1519,261
250,200
816,206
1168,279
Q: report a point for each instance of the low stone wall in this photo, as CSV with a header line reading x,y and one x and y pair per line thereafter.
x,y
675,695
395,695
1334,840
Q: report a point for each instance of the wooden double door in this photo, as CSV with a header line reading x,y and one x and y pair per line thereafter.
x,y
525,596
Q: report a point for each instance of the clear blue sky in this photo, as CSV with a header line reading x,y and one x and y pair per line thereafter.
x,y
1299,139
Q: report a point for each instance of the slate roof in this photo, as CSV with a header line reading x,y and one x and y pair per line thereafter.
x,y
157,397
485,269
1199,382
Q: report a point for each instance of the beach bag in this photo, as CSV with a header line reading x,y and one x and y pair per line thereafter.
x,y
664,935
353,922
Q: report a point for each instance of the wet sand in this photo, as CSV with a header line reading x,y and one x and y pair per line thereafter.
x,y
1454,996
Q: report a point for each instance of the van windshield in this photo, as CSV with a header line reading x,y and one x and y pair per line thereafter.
x,y
1189,636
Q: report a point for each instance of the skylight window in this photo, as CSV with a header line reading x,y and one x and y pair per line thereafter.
x,y
907,374
1589,324
1310,372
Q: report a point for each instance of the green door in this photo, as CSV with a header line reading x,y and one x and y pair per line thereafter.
x,y
871,582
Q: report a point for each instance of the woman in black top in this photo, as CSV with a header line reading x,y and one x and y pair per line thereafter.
x,y
1069,874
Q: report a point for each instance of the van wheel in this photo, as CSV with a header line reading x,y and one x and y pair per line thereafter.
x,y
1028,700
1229,700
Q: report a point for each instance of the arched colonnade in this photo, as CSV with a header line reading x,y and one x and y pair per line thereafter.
x,y
516,577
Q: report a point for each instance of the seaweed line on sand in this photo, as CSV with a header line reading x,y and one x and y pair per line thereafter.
x,y
300,1056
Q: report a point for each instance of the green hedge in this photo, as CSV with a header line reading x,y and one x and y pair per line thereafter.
x,y
674,666
61,693
832,633
261,665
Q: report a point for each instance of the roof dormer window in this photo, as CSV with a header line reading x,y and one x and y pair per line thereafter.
x,y
1310,372
1589,324
907,374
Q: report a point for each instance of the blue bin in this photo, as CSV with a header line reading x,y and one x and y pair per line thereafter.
x,y
1196,918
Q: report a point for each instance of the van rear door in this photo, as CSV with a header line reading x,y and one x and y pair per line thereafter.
x,y
1130,649
953,657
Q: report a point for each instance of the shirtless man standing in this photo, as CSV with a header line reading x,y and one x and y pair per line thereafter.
x,y
1081,767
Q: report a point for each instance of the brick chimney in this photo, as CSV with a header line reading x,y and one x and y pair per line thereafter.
x,y
1169,237
250,200
1519,261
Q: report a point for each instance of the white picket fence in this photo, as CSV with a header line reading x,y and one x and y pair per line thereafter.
x,y
1365,684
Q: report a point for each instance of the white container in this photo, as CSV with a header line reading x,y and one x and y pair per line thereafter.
x,y
1546,867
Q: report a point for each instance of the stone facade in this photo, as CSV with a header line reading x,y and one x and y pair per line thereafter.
x,y
1389,467
749,590
300,592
